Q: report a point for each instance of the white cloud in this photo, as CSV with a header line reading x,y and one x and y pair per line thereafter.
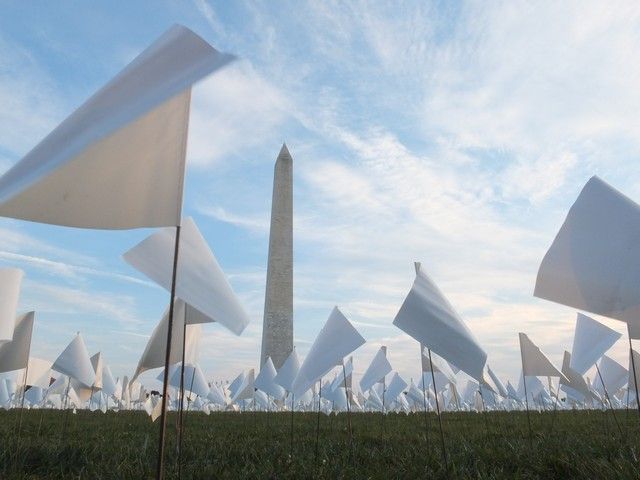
x,y
232,111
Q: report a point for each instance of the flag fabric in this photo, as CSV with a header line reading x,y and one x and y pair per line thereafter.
x,y
593,263
200,281
591,340
337,339
75,363
534,362
117,162
10,281
14,355
376,371
428,317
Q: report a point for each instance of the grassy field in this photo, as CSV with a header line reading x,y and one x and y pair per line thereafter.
x,y
584,445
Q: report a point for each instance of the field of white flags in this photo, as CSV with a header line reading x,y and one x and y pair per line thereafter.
x,y
118,163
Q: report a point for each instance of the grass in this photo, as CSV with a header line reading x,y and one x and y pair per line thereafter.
x,y
584,445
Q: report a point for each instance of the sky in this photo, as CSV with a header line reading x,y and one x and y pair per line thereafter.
x,y
457,134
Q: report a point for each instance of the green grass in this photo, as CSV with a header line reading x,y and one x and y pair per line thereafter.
x,y
584,445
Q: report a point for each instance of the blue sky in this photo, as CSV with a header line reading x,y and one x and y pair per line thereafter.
x,y
453,133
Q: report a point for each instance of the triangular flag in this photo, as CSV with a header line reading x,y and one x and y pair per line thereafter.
x,y
200,281
245,389
96,363
117,162
264,381
10,281
534,362
74,362
574,380
376,371
428,317
502,391
287,373
155,350
337,339
593,263
591,340
14,355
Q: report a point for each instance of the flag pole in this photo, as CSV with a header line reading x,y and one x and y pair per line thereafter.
x,y
346,392
424,401
181,403
526,395
606,394
633,366
318,419
167,360
435,391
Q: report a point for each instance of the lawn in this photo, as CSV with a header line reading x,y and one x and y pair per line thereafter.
x,y
586,444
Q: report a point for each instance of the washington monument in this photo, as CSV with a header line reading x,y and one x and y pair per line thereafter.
x,y
277,326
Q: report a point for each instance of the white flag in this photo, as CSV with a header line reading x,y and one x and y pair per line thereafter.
x,y
534,362
591,340
376,371
428,317
74,362
200,281
14,355
117,162
593,263
337,339
10,281
287,373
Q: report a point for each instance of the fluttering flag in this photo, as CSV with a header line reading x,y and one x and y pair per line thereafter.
x,y
264,381
246,388
194,380
117,162
573,381
502,391
591,340
376,371
75,363
614,376
337,339
288,371
428,317
593,263
14,355
155,350
395,388
534,362
200,281
10,281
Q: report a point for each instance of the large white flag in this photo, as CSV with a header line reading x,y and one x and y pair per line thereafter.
x,y
200,281
117,162
337,339
427,316
593,263
10,281
591,340
14,355
74,362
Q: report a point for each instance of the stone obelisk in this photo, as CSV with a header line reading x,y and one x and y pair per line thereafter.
x,y
277,327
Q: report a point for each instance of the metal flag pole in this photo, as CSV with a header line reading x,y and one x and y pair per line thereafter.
x,y
167,360
435,391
